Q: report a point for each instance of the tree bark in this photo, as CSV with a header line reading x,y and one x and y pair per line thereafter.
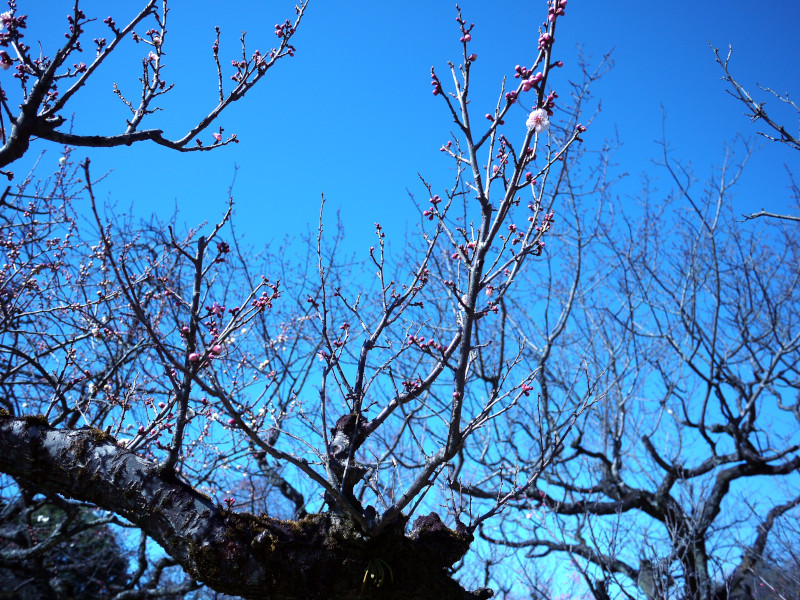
x,y
319,556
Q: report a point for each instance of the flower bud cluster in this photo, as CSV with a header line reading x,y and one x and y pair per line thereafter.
x,y
547,222
265,301
429,214
345,327
515,234
437,86
412,385
550,102
75,28
492,307
556,9
112,25
501,155
13,26
465,250
285,30
532,82
422,344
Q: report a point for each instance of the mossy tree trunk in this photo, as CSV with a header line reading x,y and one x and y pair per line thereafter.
x,y
319,556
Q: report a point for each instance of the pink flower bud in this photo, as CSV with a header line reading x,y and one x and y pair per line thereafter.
x,y
5,60
216,349
194,357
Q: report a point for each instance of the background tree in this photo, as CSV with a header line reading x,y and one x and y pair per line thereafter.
x,y
758,114
47,554
688,322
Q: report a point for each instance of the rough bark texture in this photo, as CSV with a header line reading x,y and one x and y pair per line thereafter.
x,y
319,556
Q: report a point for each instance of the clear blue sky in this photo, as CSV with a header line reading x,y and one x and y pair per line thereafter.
x,y
352,114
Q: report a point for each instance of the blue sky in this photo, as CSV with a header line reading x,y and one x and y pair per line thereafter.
x,y
352,114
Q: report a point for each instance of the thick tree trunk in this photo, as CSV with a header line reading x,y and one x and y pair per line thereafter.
x,y
319,556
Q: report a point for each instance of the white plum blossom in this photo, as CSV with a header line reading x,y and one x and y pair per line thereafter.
x,y
538,121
